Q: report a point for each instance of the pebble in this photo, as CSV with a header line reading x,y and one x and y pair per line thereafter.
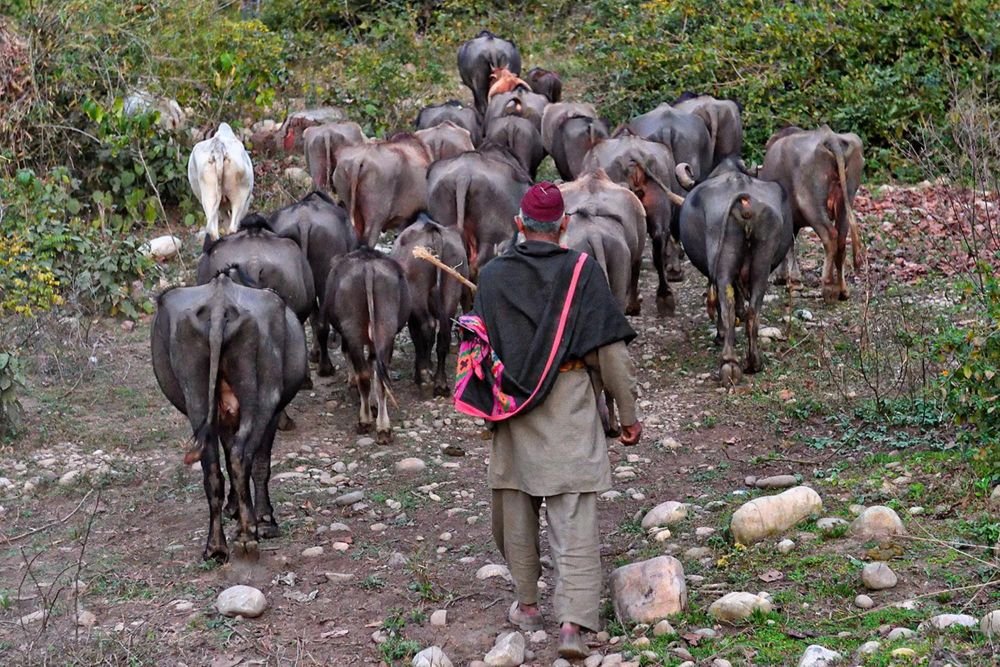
x,y
445,537
349,498
312,552
184,605
703,532
377,527
819,656
439,617
864,602
410,466
990,624
878,576
538,637
877,522
916,510
903,652
69,477
737,606
241,600
785,546
776,482
829,523
491,570
86,619
593,660
942,621
340,546
697,553
899,633
721,662
869,648
431,657
33,617
508,651
664,514
663,628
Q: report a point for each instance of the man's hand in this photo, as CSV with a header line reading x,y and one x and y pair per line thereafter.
x,y
631,434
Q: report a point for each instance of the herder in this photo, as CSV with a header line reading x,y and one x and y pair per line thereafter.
x,y
545,329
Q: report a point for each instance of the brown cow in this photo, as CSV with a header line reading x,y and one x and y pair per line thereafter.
x,y
821,172
502,80
522,103
383,184
321,144
445,140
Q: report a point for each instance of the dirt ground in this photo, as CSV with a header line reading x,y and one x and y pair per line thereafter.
x,y
130,523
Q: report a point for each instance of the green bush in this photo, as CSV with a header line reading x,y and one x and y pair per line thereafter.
x,y
10,408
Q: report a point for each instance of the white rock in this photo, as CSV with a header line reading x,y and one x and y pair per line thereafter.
x,y
864,602
648,591
769,515
995,496
33,617
664,514
829,523
69,477
990,625
493,570
817,656
663,628
431,657
877,522
869,648
704,531
241,601
899,633
349,498
508,651
410,466
299,176
734,607
593,660
162,248
538,637
312,552
942,621
785,546
776,482
721,662
86,618
439,617
562,662
878,576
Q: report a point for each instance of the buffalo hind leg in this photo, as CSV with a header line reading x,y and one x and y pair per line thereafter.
x,y
267,526
843,292
383,429
675,255
441,387
215,547
246,535
634,306
321,344
665,304
831,289
730,373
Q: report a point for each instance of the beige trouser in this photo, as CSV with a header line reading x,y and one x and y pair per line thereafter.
x,y
573,540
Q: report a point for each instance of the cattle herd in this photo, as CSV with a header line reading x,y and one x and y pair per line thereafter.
x,y
231,356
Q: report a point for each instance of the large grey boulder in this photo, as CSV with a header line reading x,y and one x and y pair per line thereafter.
x,y
649,591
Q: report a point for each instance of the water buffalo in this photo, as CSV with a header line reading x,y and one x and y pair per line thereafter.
x,y
367,302
735,230
321,229
721,117
221,174
569,130
382,184
520,102
821,172
453,111
321,143
479,193
477,59
230,358
444,140
596,199
519,136
545,82
647,169
686,135
434,296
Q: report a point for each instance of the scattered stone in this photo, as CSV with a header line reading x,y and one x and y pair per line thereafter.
x,y
990,625
869,648
762,517
611,495
398,560
856,510
942,621
697,553
877,522
818,656
878,576
903,652
377,527
864,602
721,662
785,546
184,606
69,477
493,570
661,534
665,514
562,662
162,248
829,523
995,496
707,633
312,552
349,498
33,617
899,633
241,600
338,577
410,466
916,510
431,657
340,546
593,660
538,637
776,482
703,532
86,619
439,617
663,628
771,332
648,591
734,607
508,651
750,480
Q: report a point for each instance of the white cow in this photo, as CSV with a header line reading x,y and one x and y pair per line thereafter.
x,y
220,170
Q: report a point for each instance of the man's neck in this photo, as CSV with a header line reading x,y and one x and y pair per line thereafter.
x,y
538,236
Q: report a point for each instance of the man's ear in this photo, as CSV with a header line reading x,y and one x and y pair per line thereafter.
x,y
564,224
519,223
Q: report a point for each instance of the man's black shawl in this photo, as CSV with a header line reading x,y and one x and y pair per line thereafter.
x,y
520,299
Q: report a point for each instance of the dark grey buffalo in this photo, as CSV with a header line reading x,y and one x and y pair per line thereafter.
x,y
821,172
686,135
479,193
453,111
321,143
434,295
722,117
520,136
477,59
230,358
545,82
320,228
444,140
367,302
569,131
735,230
647,169
518,102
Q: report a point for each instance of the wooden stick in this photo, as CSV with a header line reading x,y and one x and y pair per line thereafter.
x,y
421,252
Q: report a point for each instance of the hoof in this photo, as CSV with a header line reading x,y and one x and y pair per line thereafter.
x,y
313,356
308,384
383,437
730,374
364,428
220,554
286,423
676,276
325,370
665,306
268,529
844,295
753,366
633,309
442,390
831,294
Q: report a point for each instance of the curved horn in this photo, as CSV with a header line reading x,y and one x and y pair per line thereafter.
x,y
684,175
675,198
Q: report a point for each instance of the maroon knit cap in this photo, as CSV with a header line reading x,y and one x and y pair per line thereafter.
x,y
543,202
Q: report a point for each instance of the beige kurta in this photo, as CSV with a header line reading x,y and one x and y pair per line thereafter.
x,y
559,446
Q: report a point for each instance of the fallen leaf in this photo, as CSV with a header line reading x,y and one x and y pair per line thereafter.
x,y
692,638
771,575
299,596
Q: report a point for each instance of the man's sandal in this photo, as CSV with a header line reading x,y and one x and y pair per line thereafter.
x,y
526,622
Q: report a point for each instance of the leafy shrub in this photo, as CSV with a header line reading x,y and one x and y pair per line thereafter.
x,y
10,382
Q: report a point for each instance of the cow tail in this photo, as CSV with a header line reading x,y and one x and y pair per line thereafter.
x,y
438,246
597,247
216,330
355,210
381,368
857,250
461,193
713,131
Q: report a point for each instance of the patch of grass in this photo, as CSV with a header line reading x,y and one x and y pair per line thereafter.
x,y
372,583
121,588
983,530
6,602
